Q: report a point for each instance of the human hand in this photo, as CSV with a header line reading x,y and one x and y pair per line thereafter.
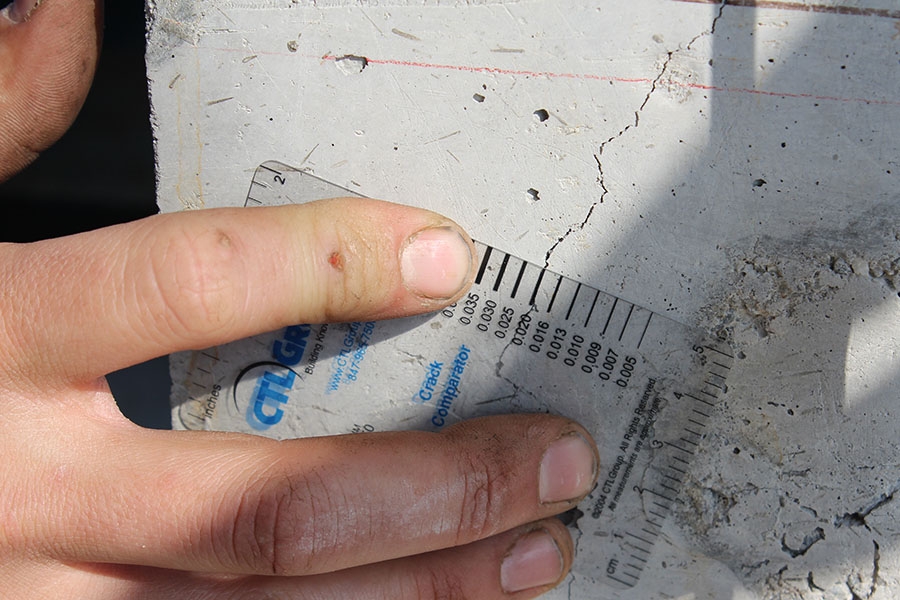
x,y
95,507
85,492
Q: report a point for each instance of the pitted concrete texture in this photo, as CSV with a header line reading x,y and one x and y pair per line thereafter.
x,y
734,165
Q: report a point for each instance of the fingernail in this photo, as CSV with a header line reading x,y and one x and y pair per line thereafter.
x,y
435,262
534,561
568,470
20,10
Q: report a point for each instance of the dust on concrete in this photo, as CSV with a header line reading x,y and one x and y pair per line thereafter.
x,y
793,460
767,284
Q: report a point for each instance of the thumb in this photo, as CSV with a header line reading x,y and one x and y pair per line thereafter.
x,y
48,54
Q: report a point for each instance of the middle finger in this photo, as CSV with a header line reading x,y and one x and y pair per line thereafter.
x,y
237,504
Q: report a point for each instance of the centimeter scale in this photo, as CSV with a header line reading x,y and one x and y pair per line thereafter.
x,y
524,339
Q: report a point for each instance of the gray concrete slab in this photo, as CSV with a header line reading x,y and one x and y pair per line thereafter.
x,y
733,165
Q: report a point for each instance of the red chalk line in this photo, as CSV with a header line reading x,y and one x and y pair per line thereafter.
x,y
593,77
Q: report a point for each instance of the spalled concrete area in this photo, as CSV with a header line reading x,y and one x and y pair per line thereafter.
x,y
732,165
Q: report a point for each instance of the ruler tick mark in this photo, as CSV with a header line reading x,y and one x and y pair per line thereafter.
x,y
555,291
625,583
719,351
572,304
271,170
715,385
638,568
637,537
609,317
643,333
702,401
518,280
625,326
484,264
677,447
501,272
590,312
663,496
537,286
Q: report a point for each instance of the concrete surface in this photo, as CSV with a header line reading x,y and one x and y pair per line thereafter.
x,y
734,165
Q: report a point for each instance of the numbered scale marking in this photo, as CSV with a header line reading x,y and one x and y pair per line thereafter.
x,y
523,339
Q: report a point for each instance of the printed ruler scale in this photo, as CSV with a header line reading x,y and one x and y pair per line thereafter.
x,y
524,339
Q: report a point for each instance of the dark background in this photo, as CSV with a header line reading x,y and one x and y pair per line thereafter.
x,y
100,173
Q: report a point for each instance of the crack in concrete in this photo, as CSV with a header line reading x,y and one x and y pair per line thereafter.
x,y
712,28
601,179
858,518
812,584
808,542
750,569
873,585
876,567
499,365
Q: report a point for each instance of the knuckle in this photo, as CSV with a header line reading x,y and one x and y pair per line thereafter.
x,y
262,524
198,277
286,526
485,485
437,584
251,591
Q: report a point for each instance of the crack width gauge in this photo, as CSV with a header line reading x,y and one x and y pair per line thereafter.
x,y
524,339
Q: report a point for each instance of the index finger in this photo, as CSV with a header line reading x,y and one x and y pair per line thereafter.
x,y
77,308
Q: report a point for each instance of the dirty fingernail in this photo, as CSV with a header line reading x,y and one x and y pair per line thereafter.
x,y
534,560
19,10
436,262
568,470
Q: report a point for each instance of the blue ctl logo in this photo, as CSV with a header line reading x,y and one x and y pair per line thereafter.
x,y
274,379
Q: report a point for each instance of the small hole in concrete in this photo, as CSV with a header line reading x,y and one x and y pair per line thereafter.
x,y
541,114
478,98
535,195
350,64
